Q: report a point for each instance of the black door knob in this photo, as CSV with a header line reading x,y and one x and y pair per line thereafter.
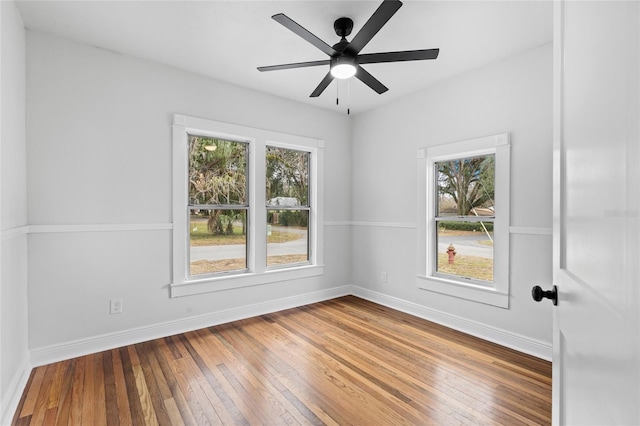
x,y
538,294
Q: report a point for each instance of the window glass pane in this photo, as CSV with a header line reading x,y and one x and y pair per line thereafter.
x,y
465,249
218,241
217,171
466,186
287,177
287,237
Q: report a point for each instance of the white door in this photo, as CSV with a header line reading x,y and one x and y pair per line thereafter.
x,y
596,353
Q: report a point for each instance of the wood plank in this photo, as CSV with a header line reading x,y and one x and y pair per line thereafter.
x,y
76,409
196,395
146,404
223,407
124,411
42,402
162,351
110,391
30,395
133,397
66,394
88,396
175,417
99,392
155,395
342,361
56,385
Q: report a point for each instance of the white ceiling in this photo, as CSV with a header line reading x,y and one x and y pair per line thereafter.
x,y
227,40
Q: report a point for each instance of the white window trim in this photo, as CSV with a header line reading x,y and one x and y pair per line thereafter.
x,y
498,293
182,284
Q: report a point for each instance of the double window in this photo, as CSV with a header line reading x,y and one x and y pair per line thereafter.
x,y
244,206
464,200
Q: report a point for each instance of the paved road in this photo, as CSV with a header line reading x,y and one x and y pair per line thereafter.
x,y
236,251
468,245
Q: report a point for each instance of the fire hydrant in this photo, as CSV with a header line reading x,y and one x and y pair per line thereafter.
x,y
451,251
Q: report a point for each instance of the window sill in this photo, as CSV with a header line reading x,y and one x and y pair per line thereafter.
x,y
473,292
212,284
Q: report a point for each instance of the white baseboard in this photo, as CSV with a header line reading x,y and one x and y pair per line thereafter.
x,y
511,340
72,349
94,344
11,398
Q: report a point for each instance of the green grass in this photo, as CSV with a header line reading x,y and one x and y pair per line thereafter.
x,y
478,268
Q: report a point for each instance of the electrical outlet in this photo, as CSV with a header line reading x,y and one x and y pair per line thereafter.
x,y
384,277
116,306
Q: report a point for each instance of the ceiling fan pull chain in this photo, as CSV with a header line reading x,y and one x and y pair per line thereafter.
x,y
337,93
348,97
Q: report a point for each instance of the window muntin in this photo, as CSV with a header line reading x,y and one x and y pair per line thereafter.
x,y
287,180
218,205
464,216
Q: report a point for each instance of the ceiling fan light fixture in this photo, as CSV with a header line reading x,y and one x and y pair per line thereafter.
x,y
343,67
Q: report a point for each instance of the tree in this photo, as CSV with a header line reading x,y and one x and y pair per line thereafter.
x,y
287,174
469,182
217,176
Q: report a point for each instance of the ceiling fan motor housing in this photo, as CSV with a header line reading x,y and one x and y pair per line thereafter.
x,y
343,27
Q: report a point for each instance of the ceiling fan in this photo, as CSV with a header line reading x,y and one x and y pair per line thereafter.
x,y
345,58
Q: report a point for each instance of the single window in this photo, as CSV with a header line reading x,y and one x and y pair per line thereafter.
x,y
464,218
288,207
218,205
464,202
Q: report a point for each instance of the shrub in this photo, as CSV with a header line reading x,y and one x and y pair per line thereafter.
x,y
466,226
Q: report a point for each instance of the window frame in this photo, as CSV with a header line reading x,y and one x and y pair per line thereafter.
x,y
246,207
257,274
496,293
309,207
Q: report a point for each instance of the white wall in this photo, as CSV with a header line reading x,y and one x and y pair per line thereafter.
x,y
99,153
513,95
14,354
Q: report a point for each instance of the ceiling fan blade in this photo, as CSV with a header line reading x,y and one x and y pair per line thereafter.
x,y
370,80
304,33
407,55
380,17
294,65
323,85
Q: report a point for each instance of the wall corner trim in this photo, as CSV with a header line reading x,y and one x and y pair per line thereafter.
x,y
9,234
11,398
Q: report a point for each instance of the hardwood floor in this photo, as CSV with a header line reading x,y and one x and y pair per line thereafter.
x,y
344,361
